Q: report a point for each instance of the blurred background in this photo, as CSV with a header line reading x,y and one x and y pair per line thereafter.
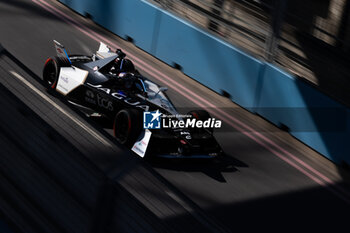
x,y
310,38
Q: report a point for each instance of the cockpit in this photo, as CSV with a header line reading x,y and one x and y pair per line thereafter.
x,y
129,82
120,65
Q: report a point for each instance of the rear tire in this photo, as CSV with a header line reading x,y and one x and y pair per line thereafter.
x,y
127,126
51,70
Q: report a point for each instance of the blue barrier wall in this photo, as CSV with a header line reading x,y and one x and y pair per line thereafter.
x,y
78,6
126,18
208,60
311,116
203,57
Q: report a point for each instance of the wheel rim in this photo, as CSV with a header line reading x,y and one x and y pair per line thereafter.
x,y
52,79
50,74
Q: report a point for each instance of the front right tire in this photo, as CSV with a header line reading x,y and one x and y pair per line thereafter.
x,y
127,126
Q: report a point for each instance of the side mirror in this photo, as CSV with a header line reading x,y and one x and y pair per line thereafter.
x,y
162,89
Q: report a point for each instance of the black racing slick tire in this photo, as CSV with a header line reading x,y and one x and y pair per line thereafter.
x,y
51,70
127,126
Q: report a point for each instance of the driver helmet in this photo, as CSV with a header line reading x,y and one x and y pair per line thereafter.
x,y
127,79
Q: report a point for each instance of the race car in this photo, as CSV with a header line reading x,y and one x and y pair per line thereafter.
x,y
108,84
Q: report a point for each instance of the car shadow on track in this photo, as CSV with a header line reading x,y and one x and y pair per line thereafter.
x,y
210,167
214,168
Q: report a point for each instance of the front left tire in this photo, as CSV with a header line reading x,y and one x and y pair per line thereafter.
x,y
51,70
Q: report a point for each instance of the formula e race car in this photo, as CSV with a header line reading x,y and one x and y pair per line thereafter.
x,y
144,119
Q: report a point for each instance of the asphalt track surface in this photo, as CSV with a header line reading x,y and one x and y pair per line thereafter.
x,y
267,180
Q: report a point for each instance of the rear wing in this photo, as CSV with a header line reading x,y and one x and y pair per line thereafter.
x,y
61,51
